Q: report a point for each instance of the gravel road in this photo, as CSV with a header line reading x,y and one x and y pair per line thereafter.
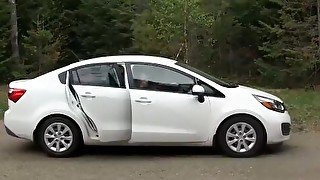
x,y
298,158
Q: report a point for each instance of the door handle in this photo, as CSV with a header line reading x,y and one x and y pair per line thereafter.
x,y
88,96
143,100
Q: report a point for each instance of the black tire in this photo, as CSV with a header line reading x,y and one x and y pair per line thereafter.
x,y
260,137
77,141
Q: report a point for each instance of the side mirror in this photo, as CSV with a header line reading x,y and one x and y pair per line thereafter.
x,y
199,91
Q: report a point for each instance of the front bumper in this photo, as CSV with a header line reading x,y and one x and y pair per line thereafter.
x,y
285,128
278,127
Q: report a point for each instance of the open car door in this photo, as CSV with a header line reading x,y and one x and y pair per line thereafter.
x,y
75,105
104,106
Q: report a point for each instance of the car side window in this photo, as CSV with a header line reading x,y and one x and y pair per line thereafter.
x,y
158,78
105,75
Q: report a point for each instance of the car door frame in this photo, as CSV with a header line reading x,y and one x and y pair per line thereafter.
x,y
76,104
132,86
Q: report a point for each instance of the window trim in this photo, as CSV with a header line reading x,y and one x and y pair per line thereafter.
x,y
219,93
95,64
123,79
131,82
195,79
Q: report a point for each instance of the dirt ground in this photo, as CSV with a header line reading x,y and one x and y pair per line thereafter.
x,y
298,158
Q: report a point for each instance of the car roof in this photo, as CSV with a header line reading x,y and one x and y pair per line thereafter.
x,y
113,59
126,58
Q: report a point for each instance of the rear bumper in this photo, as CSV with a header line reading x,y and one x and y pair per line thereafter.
x,y
17,126
9,132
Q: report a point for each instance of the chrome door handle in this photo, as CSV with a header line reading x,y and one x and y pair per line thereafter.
x,y
143,101
88,96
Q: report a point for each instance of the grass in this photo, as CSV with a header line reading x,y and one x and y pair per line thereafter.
x,y
303,106
3,100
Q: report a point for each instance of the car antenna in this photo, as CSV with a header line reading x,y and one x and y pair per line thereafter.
x,y
76,56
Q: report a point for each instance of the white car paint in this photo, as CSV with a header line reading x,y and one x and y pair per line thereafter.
x,y
156,122
169,118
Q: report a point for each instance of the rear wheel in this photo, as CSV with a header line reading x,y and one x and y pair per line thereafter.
x,y
59,137
241,136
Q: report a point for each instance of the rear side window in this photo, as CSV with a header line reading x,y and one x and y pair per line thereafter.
x,y
105,75
62,77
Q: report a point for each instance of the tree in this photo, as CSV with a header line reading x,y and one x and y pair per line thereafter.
x,y
42,49
5,53
167,28
292,50
234,34
14,31
103,27
223,37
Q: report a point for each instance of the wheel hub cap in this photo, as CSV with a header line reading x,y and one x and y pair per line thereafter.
x,y
58,137
241,137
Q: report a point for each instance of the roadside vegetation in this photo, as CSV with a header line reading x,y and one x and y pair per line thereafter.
x,y
303,106
272,43
3,100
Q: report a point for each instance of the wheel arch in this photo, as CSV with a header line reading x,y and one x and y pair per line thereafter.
x,y
239,115
36,130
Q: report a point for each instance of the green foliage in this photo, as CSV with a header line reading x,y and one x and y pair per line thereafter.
x,y
291,51
160,29
42,49
3,100
268,42
56,17
4,41
4,28
103,27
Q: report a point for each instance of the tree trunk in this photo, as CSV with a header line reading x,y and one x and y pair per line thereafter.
x,y
185,33
14,31
316,63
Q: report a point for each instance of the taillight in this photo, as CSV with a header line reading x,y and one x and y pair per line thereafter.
x,y
15,94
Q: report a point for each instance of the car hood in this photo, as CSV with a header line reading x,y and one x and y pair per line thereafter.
x,y
259,93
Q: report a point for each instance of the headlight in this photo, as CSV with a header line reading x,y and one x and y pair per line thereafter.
x,y
271,103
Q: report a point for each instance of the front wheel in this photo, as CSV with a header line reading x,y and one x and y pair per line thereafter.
x,y
241,136
59,137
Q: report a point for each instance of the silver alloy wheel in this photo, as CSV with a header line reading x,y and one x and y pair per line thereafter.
x,y
58,137
241,137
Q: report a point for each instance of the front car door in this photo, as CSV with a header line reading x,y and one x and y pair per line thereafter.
x,y
102,100
163,107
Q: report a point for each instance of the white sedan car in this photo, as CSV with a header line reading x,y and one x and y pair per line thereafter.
x,y
142,100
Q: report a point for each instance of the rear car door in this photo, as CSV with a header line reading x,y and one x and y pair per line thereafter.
x,y
97,94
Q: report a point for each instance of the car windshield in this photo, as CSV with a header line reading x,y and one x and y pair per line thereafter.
x,y
208,76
